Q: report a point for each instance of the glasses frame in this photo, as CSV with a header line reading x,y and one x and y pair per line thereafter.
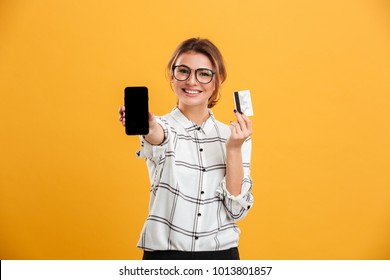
x,y
196,73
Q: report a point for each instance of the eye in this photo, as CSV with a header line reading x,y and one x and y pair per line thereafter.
x,y
205,73
183,70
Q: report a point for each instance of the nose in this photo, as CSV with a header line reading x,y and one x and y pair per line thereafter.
x,y
192,79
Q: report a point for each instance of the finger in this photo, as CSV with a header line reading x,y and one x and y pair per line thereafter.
x,y
121,111
122,120
152,120
248,123
240,120
235,128
122,115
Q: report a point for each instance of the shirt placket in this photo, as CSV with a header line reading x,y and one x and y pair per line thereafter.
x,y
199,135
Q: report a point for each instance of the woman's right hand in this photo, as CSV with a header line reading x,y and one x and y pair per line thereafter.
x,y
156,133
122,118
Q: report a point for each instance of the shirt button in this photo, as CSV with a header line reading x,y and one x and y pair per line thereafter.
x,y
196,237
248,207
201,149
204,169
199,214
202,192
198,128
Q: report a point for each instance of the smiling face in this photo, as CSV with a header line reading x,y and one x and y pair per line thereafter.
x,y
191,93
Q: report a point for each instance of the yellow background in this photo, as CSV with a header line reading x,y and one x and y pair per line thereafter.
x,y
70,184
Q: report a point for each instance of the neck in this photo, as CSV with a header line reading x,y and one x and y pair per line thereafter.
x,y
197,115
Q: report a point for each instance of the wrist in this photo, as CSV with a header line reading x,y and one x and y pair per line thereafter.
x,y
233,148
156,134
234,153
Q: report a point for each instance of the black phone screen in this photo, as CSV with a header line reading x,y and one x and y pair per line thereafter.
x,y
137,110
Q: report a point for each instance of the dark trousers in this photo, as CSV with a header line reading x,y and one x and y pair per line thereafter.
x,y
230,254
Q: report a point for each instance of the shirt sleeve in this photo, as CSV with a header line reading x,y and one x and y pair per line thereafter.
x,y
153,152
238,206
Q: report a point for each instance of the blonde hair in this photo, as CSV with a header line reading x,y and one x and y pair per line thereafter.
x,y
206,47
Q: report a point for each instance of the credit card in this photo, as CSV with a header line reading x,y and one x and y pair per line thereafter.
x,y
243,102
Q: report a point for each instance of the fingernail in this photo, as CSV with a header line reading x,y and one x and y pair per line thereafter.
x,y
235,111
241,113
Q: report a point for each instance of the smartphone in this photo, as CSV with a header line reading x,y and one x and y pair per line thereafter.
x,y
137,110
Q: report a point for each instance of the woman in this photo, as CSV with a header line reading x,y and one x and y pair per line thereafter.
x,y
199,168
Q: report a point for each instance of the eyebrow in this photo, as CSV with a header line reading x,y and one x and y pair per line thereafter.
x,y
193,68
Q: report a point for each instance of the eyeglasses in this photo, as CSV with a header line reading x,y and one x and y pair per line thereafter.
x,y
183,73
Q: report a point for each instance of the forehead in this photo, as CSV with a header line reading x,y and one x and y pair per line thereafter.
x,y
194,60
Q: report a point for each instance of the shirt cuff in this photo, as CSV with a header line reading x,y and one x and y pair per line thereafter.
x,y
242,198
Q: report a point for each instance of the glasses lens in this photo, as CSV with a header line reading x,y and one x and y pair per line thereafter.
x,y
181,73
204,76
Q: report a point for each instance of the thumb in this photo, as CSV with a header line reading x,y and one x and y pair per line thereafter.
x,y
152,120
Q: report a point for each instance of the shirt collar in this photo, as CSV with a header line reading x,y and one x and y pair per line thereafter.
x,y
191,126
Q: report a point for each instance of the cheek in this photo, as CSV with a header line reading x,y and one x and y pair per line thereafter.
x,y
210,88
176,86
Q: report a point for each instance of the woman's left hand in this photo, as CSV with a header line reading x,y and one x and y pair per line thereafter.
x,y
240,131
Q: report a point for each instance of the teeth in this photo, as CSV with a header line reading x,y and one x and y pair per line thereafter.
x,y
192,91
